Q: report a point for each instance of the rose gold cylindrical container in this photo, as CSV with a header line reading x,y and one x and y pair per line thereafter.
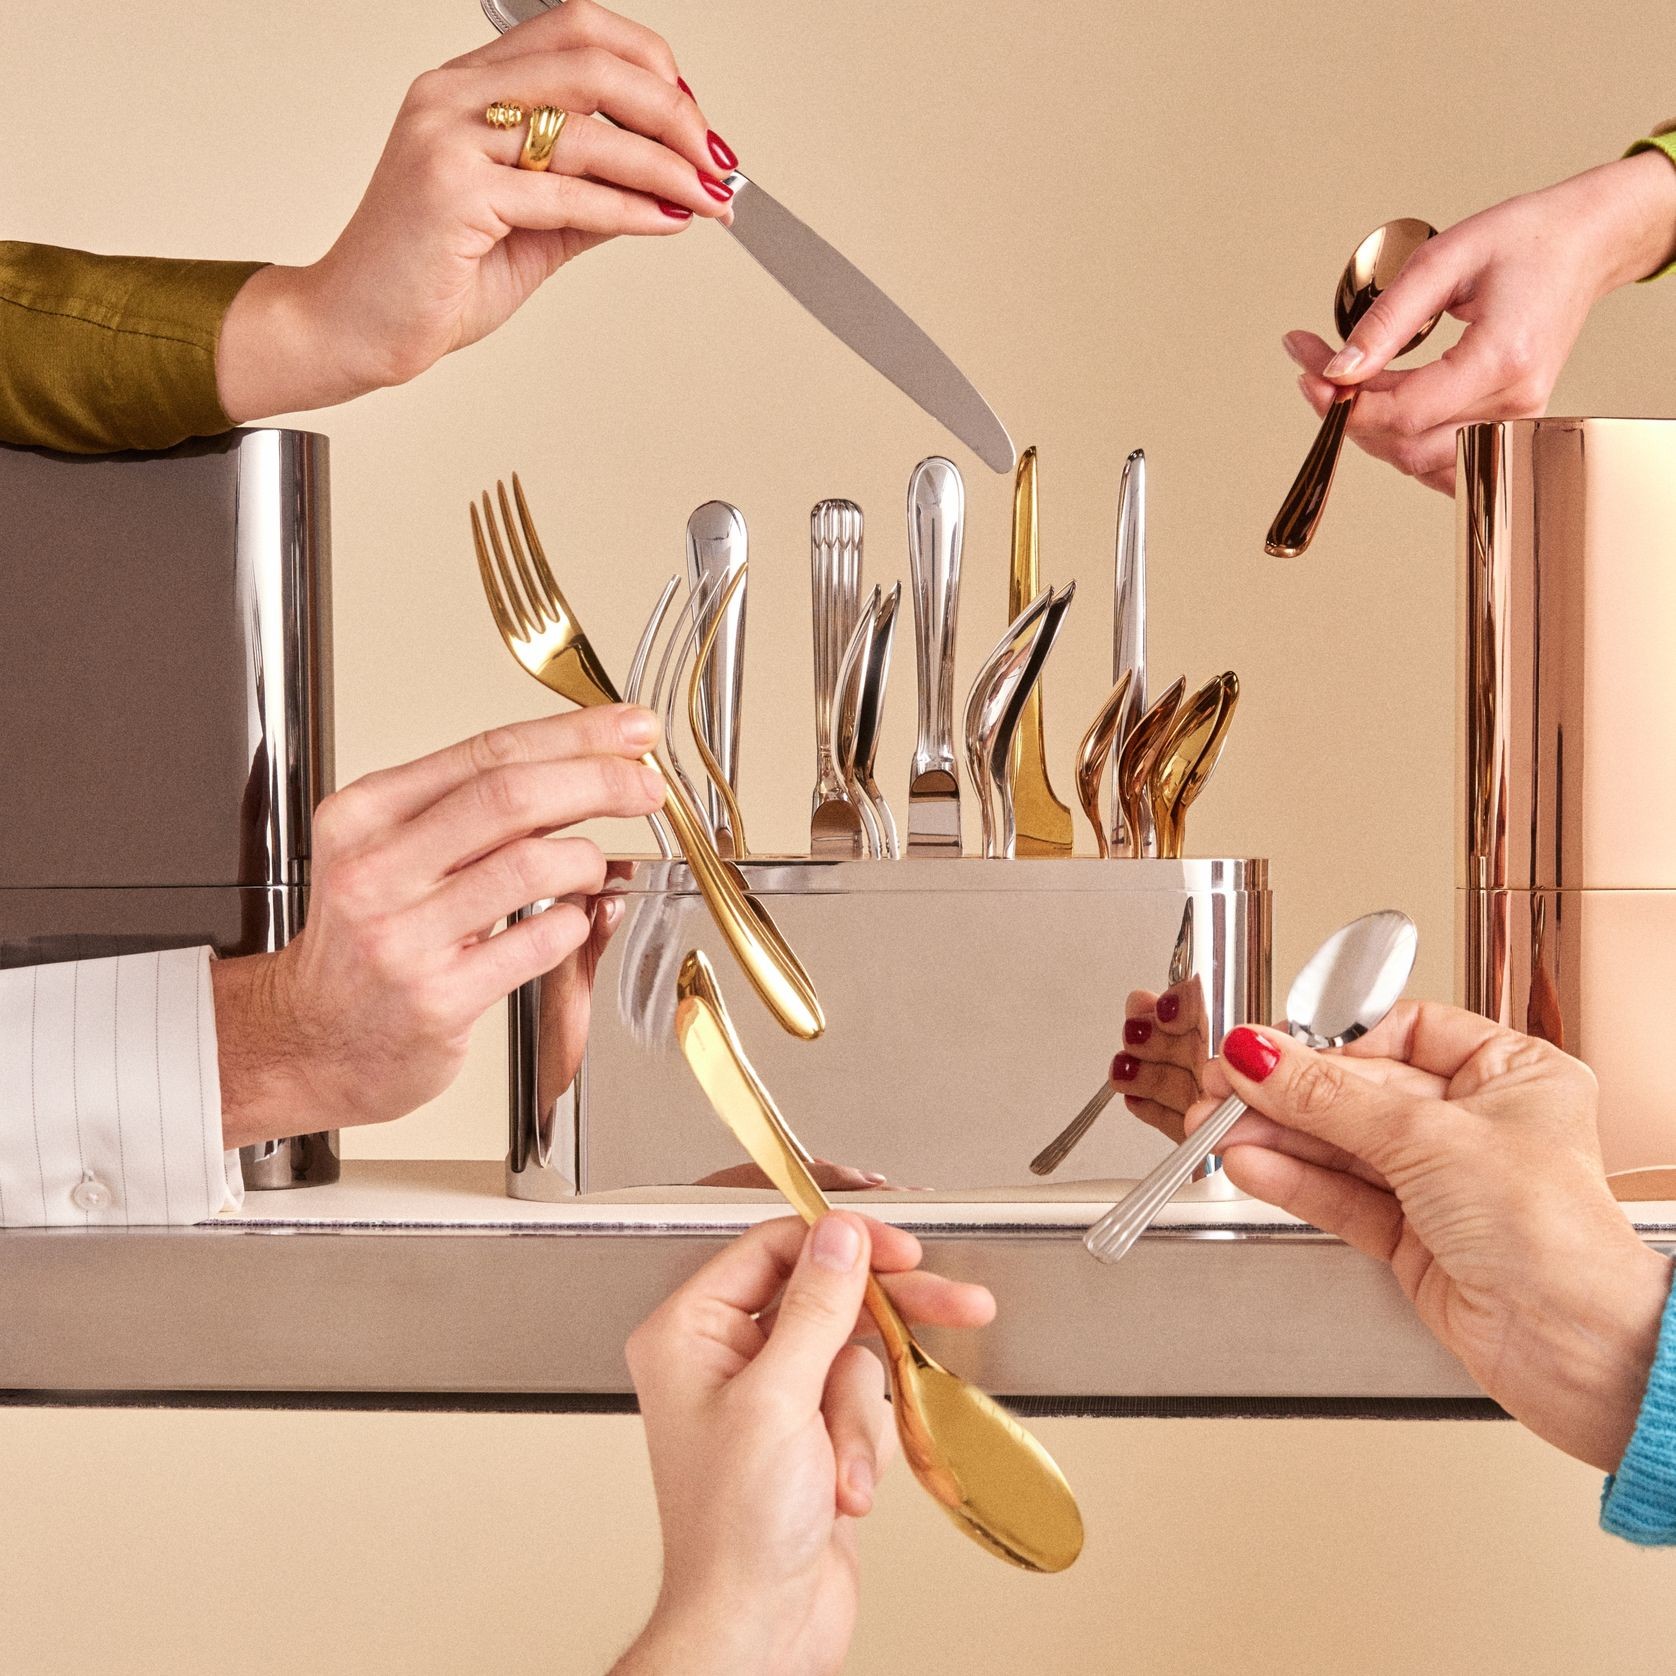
x,y
1566,922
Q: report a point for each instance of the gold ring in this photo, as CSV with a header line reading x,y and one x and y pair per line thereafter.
x,y
546,124
504,113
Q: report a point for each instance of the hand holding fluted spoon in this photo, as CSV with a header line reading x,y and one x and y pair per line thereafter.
x,y
991,1477
1373,267
1347,986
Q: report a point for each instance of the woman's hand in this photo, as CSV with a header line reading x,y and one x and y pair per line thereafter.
x,y
767,1434
366,1013
1166,1048
1523,275
1465,1156
451,237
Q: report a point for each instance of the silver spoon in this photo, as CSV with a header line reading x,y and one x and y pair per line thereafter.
x,y
1348,985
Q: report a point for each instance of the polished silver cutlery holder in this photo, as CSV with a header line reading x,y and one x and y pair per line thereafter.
x,y
970,1006
165,707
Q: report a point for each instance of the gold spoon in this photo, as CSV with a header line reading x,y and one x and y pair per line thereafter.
x,y
992,1478
695,717
1373,267
1188,756
1135,757
1095,752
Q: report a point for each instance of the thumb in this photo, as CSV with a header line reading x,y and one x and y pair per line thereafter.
x,y
1313,1093
817,1314
1424,287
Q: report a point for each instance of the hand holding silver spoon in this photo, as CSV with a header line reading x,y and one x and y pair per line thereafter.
x,y
1347,986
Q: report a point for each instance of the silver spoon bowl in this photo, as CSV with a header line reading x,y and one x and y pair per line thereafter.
x,y
1347,986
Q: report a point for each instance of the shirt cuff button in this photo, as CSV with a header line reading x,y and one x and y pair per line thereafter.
x,y
91,1194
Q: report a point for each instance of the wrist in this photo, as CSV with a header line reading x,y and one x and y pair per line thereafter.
x,y
267,1091
701,1643
1591,1344
1638,237
277,353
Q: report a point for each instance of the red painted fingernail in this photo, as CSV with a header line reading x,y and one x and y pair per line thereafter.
x,y
1251,1055
719,190
1168,1007
1125,1068
1138,1031
721,150
681,82
674,211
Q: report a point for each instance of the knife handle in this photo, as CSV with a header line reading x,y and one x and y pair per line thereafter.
x,y
717,546
835,588
936,531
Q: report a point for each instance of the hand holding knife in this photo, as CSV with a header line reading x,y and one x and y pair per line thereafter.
x,y
842,298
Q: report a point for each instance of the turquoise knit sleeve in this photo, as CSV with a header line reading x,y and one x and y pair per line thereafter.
x,y
1639,1502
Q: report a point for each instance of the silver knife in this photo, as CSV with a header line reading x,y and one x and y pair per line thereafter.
x,y
936,513
716,546
1129,635
843,299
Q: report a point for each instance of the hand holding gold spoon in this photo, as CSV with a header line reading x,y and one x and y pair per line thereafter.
x,y
1373,267
991,1477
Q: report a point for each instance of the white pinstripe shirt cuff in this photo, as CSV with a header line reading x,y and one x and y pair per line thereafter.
x,y
110,1095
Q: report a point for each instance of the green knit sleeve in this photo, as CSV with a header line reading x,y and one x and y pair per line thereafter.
x,y
1662,138
101,353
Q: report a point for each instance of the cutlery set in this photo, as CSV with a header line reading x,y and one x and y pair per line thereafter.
x,y
991,1477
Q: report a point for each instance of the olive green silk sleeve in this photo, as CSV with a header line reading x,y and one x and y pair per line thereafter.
x,y
1662,139
101,353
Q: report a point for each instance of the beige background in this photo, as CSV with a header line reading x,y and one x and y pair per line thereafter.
x,y
1109,215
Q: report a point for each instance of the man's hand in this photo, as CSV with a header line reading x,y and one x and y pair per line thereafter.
x,y
452,238
1465,1156
366,1014
767,1437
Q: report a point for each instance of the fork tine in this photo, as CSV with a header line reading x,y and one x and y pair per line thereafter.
x,y
519,610
549,582
534,592
509,631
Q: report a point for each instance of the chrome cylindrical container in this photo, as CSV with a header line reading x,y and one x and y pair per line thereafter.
x,y
1567,808
165,707
972,1008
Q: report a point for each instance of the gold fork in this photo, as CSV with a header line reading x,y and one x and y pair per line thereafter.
x,y
543,634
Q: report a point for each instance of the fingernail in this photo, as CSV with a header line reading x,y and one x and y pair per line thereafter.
x,y
721,150
610,911
1292,352
1347,360
836,1245
861,1478
719,190
674,211
873,1178
681,82
654,781
1138,1031
1125,1068
1167,1008
1251,1055
640,727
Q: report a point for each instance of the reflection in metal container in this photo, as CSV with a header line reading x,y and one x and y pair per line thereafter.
x,y
1567,813
970,1007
